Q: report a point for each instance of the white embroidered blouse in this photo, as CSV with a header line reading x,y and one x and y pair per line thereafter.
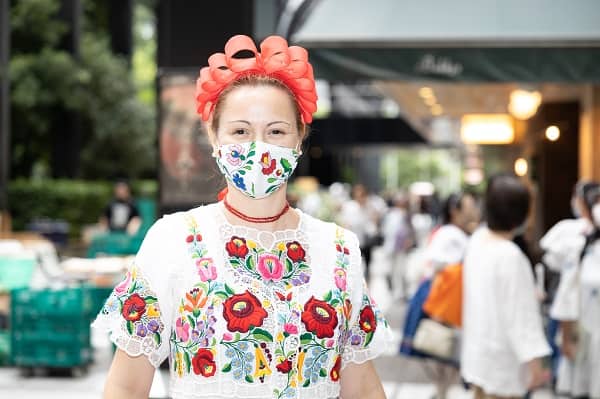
x,y
243,313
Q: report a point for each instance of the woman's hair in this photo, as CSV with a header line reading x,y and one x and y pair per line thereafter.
x,y
453,202
588,193
506,203
252,80
591,198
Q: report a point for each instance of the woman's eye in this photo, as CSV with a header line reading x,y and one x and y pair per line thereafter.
x,y
239,132
277,132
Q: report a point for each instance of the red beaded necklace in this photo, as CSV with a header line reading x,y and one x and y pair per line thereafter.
x,y
253,219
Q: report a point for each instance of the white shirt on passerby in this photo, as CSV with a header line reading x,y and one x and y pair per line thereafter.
x,y
447,247
502,325
563,242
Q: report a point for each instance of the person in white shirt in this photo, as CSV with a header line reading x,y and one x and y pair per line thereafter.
x,y
577,306
503,338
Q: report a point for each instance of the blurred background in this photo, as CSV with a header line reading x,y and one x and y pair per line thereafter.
x,y
420,99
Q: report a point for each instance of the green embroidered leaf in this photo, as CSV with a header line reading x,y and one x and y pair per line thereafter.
x,y
306,383
221,294
305,338
327,297
368,338
271,180
192,321
237,336
234,262
188,362
229,290
323,372
250,162
335,302
226,368
276,392
243,158
241,172
251,153
130,327
150,299
133,287
262,335
286,164
248,167
249,379
288,265
271,189
157,339
249,263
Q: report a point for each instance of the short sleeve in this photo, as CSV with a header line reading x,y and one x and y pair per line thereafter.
x,y
369,334
137,314
520,309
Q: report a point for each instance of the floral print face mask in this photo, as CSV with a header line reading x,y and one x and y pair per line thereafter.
x,y
256,168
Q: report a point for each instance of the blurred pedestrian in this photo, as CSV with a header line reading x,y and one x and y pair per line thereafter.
x,y
398,239
247,297
577,306
362,215
121,214
503,341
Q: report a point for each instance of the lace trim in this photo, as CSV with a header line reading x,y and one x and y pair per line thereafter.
x,y
131,345
184,389
375,349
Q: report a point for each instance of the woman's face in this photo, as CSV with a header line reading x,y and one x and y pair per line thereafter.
x,y
258,113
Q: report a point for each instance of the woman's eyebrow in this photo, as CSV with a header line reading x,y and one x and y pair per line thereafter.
x,y
274,122
240,120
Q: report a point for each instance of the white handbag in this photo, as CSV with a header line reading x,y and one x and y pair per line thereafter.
x,y
434,339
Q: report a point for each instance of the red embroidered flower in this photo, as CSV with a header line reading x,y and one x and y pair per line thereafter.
x,y
189,238
198,237
243,311
204,363
295,251
282,297
335,371
285,366
268,164
237,247
367,320
346,251
133,308
319,318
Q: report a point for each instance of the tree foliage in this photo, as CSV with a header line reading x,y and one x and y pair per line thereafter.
x,y
47,81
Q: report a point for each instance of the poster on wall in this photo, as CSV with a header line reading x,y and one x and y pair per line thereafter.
x,y
188,173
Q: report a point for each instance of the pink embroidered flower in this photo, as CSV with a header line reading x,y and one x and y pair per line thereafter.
x,y
122,287
340,278
233,157
227,336
290,328
206,269
182,329
269,267
330,343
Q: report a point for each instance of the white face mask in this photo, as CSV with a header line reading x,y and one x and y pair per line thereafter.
x,y
257,169
596,214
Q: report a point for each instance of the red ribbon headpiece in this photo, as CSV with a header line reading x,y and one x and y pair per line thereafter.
x,y
287,64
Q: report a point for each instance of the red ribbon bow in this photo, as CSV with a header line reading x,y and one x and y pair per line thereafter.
x,y
288,64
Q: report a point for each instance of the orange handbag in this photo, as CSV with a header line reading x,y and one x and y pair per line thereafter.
x,y
444,302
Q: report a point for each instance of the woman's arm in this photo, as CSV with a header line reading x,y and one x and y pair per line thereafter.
x,y
360,381
128,377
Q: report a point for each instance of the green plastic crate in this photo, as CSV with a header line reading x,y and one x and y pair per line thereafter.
x,y
16,272
43,355
4,348
64,302
99,296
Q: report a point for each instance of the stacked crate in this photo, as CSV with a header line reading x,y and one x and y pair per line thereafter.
x,y
50,328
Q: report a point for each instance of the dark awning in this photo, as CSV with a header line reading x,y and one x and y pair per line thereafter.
x,y
536,64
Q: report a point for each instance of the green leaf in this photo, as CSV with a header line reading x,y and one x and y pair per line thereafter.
x,y
241,172
242,157
188,362
229,290
327,296
271,180
157,339
192,321
335,302
271,189
237,336
286,164
262,335
250,263
132,287
306,383
251,154
306,338
150,299
368,338
221,294
323,372
130,327
249,379
289,266
226,368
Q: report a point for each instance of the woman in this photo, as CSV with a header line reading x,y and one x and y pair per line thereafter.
x,y
577,307
247,297
503,340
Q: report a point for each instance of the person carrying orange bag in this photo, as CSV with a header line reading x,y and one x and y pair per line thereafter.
x,y
444,303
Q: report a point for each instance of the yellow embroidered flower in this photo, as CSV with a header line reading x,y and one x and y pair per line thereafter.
x,y
153,311
281,246
262,366
179,358
181,309
134,272
294,382
251,244
300,364
266,303
280,337
339,233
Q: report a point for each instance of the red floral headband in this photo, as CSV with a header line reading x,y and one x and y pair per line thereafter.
x,y
288,64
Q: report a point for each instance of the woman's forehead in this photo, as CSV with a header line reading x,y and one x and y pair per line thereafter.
x,y
258,104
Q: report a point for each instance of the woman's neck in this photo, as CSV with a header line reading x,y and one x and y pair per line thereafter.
x,y
261,208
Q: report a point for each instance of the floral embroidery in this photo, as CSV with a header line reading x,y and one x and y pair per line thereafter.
x,y
204,363
242,312
138,306
268,164
319,318
284,267
235,156
370,317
